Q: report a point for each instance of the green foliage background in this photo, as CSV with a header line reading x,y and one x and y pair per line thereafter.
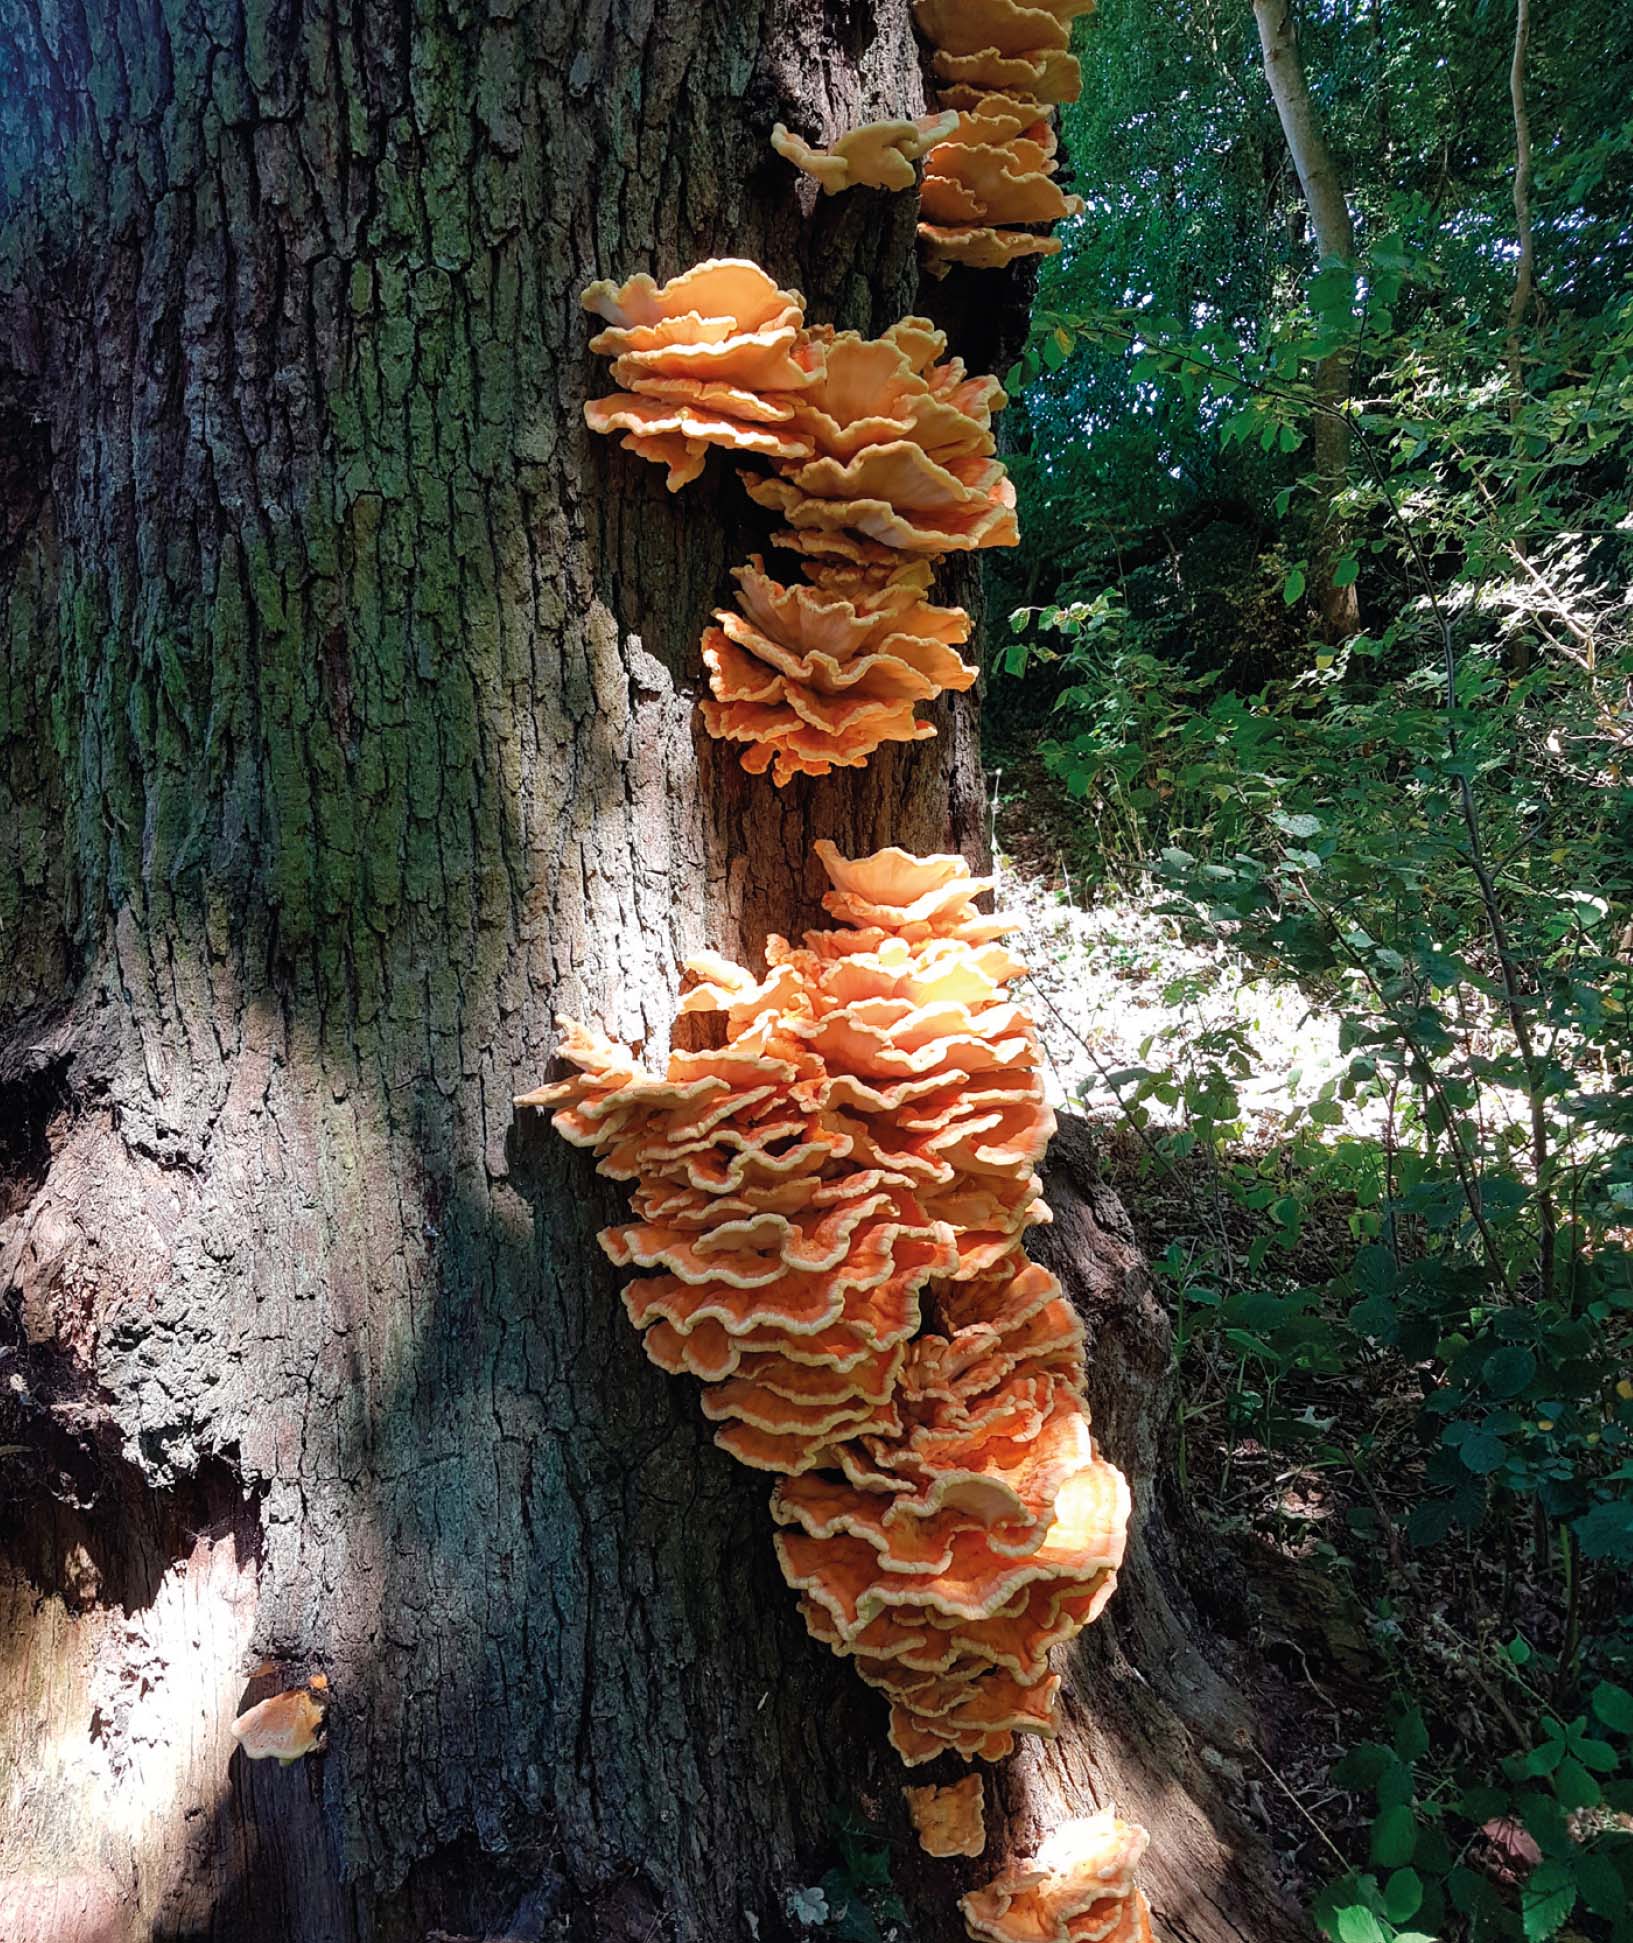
x,y
1428,824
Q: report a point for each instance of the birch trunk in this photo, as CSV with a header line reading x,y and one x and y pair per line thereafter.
x,y
1335,237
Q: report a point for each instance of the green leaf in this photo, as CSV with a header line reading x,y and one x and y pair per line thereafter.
x,y
1403,1895
1482,1452
1508,1371
1292,588
1614,1706
1343,575
1362,1765
1598,1755
1411,1735
1575,1787
1356,1924
1394,1836
1606,1531
1547,1898
1430,1521
1599,1883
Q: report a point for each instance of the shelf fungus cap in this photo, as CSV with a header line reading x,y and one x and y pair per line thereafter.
x,y
1048,74
713,357
897,494
980,247
678,434
876,155
811,680
994,184
1005,26
1078,1888
995,117
868,392
284,1727
727,286
951,1820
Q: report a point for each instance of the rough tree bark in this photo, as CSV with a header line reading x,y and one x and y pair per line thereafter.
x,y
1335,237
347,735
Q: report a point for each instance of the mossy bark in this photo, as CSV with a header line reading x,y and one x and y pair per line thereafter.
x,y
348,723
346,736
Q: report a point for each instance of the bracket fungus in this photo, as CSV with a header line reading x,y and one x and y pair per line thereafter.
x,y
284,1727
980,248
815,677
830,1210
950,1820
1078,1888
1004,64
709,358
877,155
900,448
998,184
881,448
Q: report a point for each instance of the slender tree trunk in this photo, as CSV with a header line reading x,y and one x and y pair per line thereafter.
x,y
1525,269
347,735
1335,237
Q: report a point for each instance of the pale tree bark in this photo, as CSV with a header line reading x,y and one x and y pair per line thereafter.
x,y
1335,237
1525,268
346,736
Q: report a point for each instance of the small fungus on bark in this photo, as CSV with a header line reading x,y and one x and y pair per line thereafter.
x,y
950,1820
284,1727
877,155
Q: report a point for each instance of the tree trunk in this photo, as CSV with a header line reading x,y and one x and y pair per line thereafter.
x,y
1525,267
346,703
1335,237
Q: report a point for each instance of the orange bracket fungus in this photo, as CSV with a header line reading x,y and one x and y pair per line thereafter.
x,y
882,449
709,358
878,155
284,1727
900,449
815,677
1078,1888
950,1820
830,1210
980,249
1003,65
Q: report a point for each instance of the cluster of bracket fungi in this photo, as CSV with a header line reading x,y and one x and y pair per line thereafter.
x,y
830,1202
989,155
881,456
830,1209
